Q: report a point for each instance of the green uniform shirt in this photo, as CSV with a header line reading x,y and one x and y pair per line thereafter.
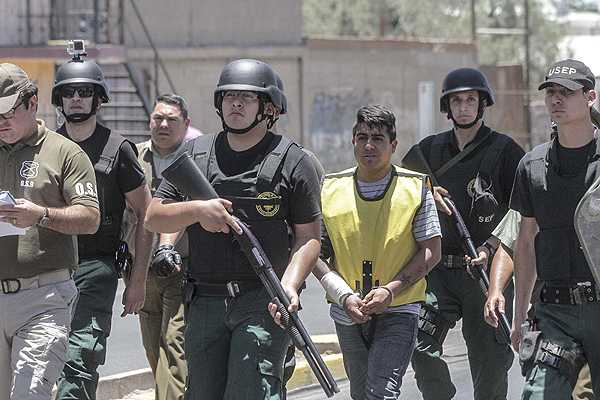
x,y
51,171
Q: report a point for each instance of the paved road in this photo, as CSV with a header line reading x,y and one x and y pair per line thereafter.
x,y
459,370
125,351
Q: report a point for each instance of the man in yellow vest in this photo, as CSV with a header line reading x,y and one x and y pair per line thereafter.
x,y
381,236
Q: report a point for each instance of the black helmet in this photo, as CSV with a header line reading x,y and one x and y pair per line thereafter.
x,y
79,71
254,76
464,79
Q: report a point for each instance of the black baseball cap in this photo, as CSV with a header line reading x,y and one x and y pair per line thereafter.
x,y
571,74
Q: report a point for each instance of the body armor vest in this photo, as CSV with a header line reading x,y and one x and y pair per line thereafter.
x,y
112,201
559,256
257,200
479,168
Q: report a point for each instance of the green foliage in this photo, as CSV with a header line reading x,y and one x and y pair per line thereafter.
x,y
446,20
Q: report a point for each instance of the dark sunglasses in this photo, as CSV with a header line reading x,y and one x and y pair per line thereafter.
x,y
83,91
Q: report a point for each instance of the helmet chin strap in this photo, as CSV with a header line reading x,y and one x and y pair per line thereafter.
x,y
81,117
260,116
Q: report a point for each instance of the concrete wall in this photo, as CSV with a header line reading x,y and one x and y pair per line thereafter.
x,y
507,115
343,75
189,23
326,81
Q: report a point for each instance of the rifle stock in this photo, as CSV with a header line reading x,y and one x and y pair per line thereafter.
x,y
191,182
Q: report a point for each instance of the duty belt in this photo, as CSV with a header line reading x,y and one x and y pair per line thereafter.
x,y
14,285
451,261
578,293
228,289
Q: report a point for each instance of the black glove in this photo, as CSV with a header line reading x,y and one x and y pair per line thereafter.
x,y
165,261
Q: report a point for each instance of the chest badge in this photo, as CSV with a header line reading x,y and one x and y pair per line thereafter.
x,y
29,170
267,210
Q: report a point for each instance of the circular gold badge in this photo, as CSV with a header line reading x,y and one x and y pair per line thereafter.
x,y
267,210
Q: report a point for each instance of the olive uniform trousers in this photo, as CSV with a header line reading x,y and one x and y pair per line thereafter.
x,y
569,326
455,294
96,280
162,326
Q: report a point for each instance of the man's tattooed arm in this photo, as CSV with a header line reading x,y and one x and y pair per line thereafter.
x,y
427,257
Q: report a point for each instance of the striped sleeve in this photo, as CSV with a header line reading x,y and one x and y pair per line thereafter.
x,y
426,223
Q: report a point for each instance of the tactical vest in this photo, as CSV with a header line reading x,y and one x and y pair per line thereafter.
x,y
112,202
559,256
257,200
377,233
459,182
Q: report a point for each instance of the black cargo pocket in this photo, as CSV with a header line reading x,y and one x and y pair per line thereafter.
x,y
93,348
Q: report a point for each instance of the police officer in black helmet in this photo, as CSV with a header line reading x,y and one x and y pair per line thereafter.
x,y
78,93
475,166
234,349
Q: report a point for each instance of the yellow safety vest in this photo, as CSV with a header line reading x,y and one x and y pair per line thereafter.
x,y
378,230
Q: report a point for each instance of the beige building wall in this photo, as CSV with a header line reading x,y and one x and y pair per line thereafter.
x,y
326,82
193,23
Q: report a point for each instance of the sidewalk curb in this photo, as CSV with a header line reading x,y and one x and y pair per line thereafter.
x,y
121,385
303,375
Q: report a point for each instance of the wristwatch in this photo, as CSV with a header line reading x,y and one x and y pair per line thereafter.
x,y
45,220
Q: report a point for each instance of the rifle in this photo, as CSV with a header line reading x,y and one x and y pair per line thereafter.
x,y
185,174
415,156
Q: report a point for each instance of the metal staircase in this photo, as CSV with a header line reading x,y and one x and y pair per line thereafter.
x,y
128,110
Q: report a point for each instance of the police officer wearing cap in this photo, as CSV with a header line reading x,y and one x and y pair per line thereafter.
x,y
475,166
234,349
78,92
53,197
551,180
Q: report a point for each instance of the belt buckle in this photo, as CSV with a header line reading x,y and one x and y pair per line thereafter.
x,y
233,289
6,286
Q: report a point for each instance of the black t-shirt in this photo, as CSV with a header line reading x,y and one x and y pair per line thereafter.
x,y
572,160
233,162
507,163
458,179
566,162
130,174
299,178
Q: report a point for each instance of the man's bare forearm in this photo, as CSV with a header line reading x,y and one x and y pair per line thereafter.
x,y
170,238
501,270
138,200
74,220
143,248
524,269
427,257
305,253
320,269
169,217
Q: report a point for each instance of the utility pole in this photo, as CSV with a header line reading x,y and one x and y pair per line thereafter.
x,y
473,22
527,76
